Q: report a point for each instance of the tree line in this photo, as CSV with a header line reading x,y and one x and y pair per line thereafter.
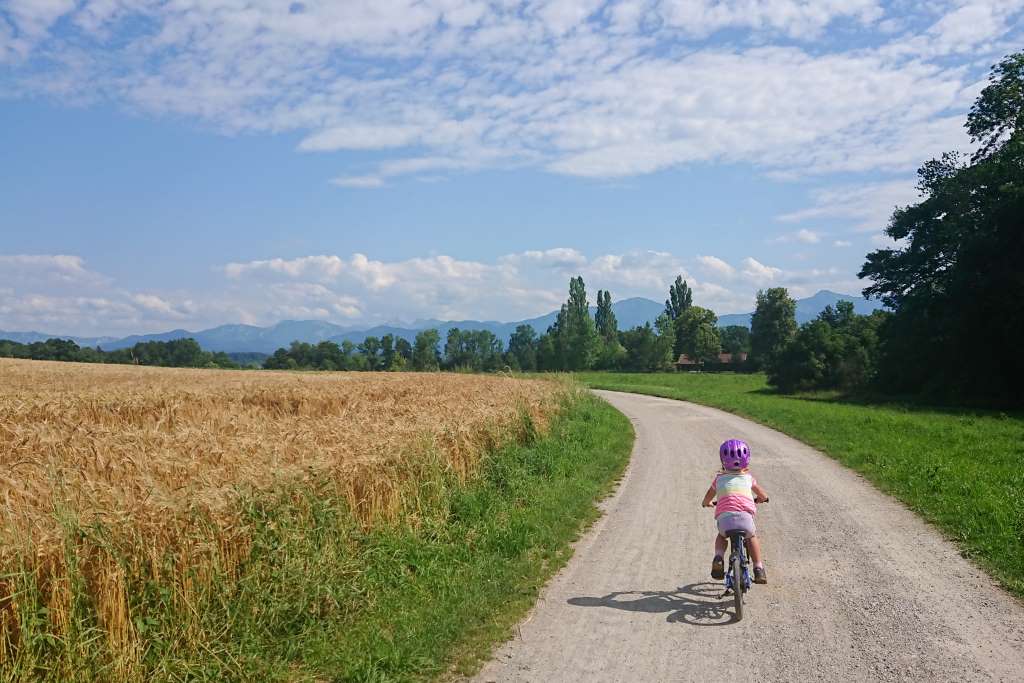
x,y
177,353
575,341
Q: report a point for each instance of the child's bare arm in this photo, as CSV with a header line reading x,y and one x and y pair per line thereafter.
x,y
760,495
708,497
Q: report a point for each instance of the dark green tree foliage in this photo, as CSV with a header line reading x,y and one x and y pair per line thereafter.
x,y
370,350
956,280
772,326
181,353
647,348
522,349
387,351
403,353
680,297
350,357
548,359
735,339
577,335
610,352
426,355
696,334
997,116
472,350
838,350
604,318
556,359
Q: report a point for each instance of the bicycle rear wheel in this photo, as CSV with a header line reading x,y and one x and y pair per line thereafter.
x,y
737,588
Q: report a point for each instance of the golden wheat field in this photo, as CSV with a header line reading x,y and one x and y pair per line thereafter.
x,y
158,458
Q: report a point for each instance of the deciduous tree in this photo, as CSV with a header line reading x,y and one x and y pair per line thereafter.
x,y
772,326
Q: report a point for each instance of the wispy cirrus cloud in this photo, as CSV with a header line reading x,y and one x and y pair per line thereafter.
x,y
866,206
803,235
595,88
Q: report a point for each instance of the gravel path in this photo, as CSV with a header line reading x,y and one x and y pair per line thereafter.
x,y
860,588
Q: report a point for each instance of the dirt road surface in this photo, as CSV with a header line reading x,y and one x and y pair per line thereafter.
x,y
860,588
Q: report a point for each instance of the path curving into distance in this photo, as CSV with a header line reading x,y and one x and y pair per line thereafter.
x,y
860,588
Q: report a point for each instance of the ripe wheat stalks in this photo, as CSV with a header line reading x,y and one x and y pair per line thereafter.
x,y
126,472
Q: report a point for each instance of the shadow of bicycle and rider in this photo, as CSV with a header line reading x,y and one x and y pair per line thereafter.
x,y
697,604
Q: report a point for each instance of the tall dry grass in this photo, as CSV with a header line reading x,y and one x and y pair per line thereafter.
x,y
115,475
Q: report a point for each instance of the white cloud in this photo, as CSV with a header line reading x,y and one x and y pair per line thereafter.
x,y
803,235
513,286
314,267
157,305
585,87
360,182
759,273
797,18
716,266
360,137
33,18
561,258
27,269
360,290
867,207
973,23
842,243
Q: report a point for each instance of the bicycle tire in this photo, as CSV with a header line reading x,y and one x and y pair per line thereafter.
x,y
737,590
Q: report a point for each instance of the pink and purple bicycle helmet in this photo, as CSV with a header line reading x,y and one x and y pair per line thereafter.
x,y
734,454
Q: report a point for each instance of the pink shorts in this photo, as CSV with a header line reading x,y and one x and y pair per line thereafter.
x,y
736,521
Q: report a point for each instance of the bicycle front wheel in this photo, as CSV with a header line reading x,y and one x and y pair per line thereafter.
x,y
737,588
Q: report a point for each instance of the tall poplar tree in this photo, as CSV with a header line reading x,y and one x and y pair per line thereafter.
x,y
577,336
604,317
680,297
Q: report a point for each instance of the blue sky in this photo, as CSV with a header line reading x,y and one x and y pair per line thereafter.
x,y
189,163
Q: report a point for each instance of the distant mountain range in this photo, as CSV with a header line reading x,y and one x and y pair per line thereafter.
x,y
809,308
250,338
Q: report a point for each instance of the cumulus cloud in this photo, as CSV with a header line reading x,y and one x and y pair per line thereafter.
x,y
47,268
759,273
716,266
60,294
155,304
359,290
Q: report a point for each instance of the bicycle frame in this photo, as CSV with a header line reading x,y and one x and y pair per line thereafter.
x,y
737,546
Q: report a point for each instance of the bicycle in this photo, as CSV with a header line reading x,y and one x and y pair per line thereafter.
x,y
737,574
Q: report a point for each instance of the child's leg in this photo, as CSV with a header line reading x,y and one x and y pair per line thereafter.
x,y
720,545
754,545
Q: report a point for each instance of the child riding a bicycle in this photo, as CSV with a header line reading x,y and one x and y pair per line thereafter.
x,y
737,492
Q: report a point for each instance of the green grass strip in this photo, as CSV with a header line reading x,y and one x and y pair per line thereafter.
x,y
442,597
961,470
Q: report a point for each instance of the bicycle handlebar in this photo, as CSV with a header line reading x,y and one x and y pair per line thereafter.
x,y
715,502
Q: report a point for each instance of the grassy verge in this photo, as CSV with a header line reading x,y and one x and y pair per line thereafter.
x,y
323,598
961,470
